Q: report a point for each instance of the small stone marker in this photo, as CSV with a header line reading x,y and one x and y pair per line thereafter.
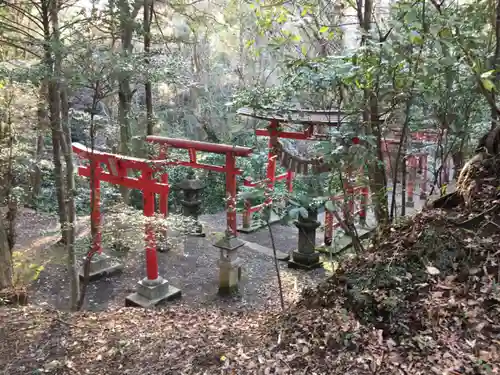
x,y
229,264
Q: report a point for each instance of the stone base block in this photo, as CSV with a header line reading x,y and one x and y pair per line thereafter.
x,y
305,261
410,204
151,293
193,228
196,234
229,276
163,247
101,265
362,223
258,224
299,266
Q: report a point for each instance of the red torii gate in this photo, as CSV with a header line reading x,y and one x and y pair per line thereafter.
x,y
154,288
231,152
314,123
117,167
415,160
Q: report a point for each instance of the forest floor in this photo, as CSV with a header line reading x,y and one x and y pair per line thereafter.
x,y
423,300
191,265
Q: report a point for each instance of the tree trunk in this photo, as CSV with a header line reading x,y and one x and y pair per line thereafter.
x,y
36,174
148,10
496,64
54,112
376,169
6,269
7,227
124,90
69,228
42,125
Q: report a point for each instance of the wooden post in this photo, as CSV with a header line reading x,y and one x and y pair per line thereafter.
x,y
423,183
247,214
328,228
149,210
271,157
231,192
95,199
289,181
365,192
164,180
412,174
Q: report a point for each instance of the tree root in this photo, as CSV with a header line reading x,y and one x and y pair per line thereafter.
x,y
478,219
448,201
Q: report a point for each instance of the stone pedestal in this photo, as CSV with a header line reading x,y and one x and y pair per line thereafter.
x,y
410,203
163,247
101,265
251,226
191,204
191,210
162,244
306,257
152,292
229,276
229,264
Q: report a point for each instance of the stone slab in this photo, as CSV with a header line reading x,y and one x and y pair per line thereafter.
x,y
101,266
299,266
194,234
345,242
266,251
285,238
258,224
105,272
137,300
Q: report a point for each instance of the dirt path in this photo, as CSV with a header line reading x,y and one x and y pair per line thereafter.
x,y
38,231
37,244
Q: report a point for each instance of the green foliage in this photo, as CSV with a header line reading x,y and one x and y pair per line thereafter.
x,y
422,61
24,271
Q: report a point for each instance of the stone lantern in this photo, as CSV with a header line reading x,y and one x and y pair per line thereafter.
x,y
306,257
229,264
191,202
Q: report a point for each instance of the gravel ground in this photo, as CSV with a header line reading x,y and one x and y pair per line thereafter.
x,y
190,266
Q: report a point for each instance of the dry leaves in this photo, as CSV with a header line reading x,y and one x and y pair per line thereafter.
x,y
421,307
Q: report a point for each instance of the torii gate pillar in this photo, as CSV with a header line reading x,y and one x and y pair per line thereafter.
x,y
101,264
153,289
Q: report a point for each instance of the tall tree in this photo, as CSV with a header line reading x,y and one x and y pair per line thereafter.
x,y
371,119
60,96
148,13
54,101
6,269
496,63
127,18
